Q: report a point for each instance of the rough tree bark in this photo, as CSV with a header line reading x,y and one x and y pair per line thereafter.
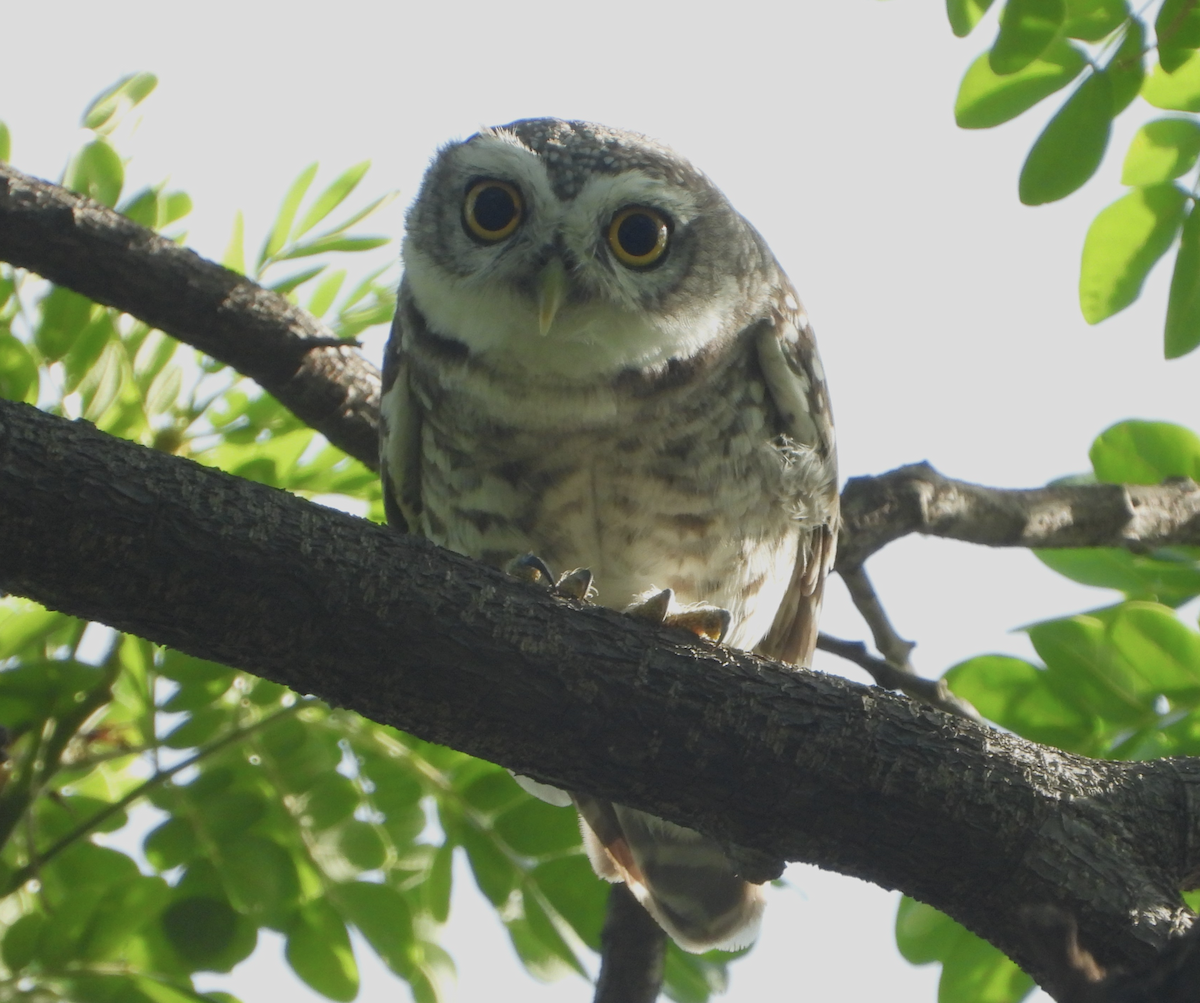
x,y
776,763
801,767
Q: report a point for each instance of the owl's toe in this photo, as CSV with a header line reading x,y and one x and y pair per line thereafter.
x,y
711,622
701,619
576,585
653,608
531,569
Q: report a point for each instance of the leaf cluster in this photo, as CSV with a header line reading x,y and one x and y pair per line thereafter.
x,y
1101,48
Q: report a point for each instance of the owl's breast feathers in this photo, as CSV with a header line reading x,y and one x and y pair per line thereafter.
x,y
700,475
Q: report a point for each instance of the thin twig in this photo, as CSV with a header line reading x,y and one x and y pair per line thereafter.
x,y
934,692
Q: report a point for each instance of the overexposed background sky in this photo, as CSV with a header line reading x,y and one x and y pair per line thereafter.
x,y
946,311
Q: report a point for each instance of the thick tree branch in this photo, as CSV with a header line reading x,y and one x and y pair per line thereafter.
x,y
95,251
789,764
98,252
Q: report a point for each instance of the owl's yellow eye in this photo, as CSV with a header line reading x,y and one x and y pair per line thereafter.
x,y
638,236
492,210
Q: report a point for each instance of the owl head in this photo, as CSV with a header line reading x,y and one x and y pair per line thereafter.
x,y
579,250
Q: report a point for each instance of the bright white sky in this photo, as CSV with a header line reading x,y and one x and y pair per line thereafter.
x,y
946,311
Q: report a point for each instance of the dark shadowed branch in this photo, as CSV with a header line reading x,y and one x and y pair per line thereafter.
x,y
98,252
777,764
634,949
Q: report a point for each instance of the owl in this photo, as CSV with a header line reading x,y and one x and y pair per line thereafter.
x,y
597,361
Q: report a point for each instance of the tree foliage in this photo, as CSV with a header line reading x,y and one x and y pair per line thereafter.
x,y
271,810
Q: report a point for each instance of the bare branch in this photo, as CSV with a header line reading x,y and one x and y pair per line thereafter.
x,y
95,251
932,691
917,499
791,764
634,949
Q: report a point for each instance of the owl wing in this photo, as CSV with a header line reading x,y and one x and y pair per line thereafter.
x,y
400,427
791,368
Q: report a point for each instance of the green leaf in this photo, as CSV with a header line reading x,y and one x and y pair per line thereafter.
x,y
202,930
972,970
1071,146
124,910
975,971
541,926
65,314
494,791
965,14
1126,69
539,958
1145,452
1170,576
97,172
5,143
1027,27
171,844
535,829
362,845
1181,334
494,872
285,286
1161,150
326,292
189,669
986,99
1177,29
202,725
234,257
923,933
108,108
21,940
1178,90
173,206
282,227
318,949
577,895
332,197
1092,20
1122,245
331,800
1165,653
437,885
259,875
334,242
1078,656
1016,695
18,371
383,917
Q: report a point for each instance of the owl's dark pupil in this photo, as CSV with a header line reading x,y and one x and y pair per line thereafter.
x,y
638,234
494,208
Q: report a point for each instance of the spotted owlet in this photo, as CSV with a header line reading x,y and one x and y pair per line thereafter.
x,y
596,360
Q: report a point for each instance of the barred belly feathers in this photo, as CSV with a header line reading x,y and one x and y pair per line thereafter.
x,y
596,360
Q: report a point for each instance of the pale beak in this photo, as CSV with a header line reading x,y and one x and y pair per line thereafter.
x,y
552,288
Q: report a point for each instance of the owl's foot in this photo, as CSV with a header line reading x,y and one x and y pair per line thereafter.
x,y
711,622
533,570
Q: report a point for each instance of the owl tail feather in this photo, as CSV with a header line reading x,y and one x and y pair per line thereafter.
x,y
681,877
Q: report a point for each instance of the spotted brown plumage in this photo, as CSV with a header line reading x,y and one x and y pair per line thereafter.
x,y
597,360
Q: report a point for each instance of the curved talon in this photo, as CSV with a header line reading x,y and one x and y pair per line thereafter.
x,y
653,609
576,584
709,622
530,568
